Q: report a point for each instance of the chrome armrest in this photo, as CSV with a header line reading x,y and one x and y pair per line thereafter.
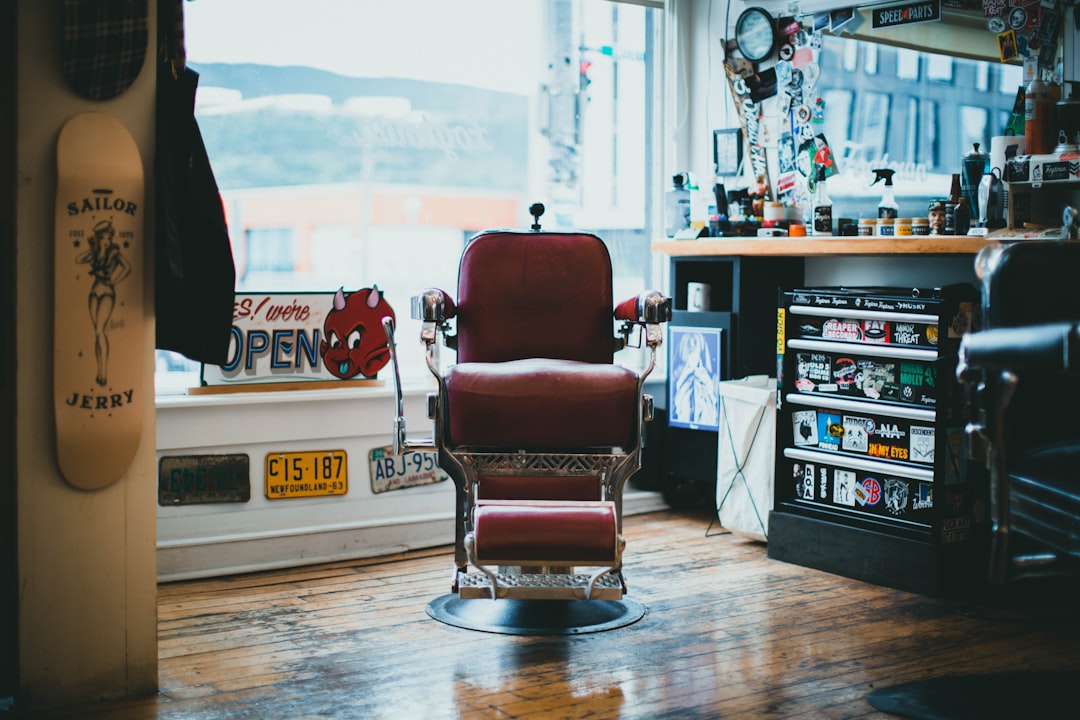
x,y
401,443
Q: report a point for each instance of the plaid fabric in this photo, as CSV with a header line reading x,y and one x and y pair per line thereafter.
x,y
171,35
104,45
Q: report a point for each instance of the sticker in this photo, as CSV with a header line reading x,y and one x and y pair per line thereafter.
x,y
876,331
886,451
875,377
803,56
1007,48
804,427
868,492
855,437
844,487
842,329
890,431
846,373
924,500
802,114
811,73
996,25
1048,24
1018,18
785,184
908,333
804,481
830,431
896,496
786,52
922,444
814,366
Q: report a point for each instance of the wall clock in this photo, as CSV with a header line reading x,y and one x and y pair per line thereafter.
x,y
755,34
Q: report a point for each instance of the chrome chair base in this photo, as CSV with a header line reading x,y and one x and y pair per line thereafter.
x,y
535,617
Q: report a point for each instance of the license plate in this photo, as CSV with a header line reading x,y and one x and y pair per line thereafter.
x,y
394,472
313,473
198,479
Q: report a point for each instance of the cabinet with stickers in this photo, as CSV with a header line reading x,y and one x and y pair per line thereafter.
x,y
871,478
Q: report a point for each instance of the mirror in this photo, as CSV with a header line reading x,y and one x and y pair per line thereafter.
x,y
961,27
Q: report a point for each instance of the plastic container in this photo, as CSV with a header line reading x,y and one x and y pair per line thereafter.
x,y
902,227
920,226
773,213
886,227
1040,100
677,205
867,226
887,208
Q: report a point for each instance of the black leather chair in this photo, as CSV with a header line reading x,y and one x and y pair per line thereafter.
x,y
1023,375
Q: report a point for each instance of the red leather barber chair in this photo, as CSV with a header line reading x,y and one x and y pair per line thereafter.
x,y
538,429
1023,374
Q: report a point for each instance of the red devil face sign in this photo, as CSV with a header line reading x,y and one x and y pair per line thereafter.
x,y
355,343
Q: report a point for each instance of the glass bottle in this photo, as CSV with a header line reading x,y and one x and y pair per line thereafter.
x,y
951,204
821,206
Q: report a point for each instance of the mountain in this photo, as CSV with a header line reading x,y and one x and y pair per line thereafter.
x,y
454,135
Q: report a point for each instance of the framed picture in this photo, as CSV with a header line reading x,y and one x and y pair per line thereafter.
x,y
727,151
694,378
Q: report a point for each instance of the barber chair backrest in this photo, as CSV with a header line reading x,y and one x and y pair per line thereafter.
x,y
1032,283
535,295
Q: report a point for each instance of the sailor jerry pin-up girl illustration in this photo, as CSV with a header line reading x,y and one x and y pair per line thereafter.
x,y
108,267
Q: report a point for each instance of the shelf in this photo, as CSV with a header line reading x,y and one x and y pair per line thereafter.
x,y
814,246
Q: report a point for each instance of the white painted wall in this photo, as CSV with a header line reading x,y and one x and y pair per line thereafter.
x,y
202,540
87,594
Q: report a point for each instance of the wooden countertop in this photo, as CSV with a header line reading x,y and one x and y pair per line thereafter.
x,y
824,246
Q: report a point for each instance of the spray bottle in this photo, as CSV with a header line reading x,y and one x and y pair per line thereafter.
x,y
887,208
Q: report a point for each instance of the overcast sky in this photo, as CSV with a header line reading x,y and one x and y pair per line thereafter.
x,y
424,39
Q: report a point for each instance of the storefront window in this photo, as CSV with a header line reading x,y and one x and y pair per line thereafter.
x,y
362,143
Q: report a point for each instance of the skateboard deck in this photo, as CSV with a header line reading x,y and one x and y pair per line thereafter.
x,y
98,320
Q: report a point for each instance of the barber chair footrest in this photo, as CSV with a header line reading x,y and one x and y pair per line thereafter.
x,y
551,586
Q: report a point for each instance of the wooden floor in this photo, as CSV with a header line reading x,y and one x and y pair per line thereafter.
x,y
728,633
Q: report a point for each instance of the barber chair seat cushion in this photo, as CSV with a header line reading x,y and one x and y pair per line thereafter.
x,y
546,534
1045,496
541,403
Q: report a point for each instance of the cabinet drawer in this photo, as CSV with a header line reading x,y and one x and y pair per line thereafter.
x,y
892,374
860,429
866,326
898,495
